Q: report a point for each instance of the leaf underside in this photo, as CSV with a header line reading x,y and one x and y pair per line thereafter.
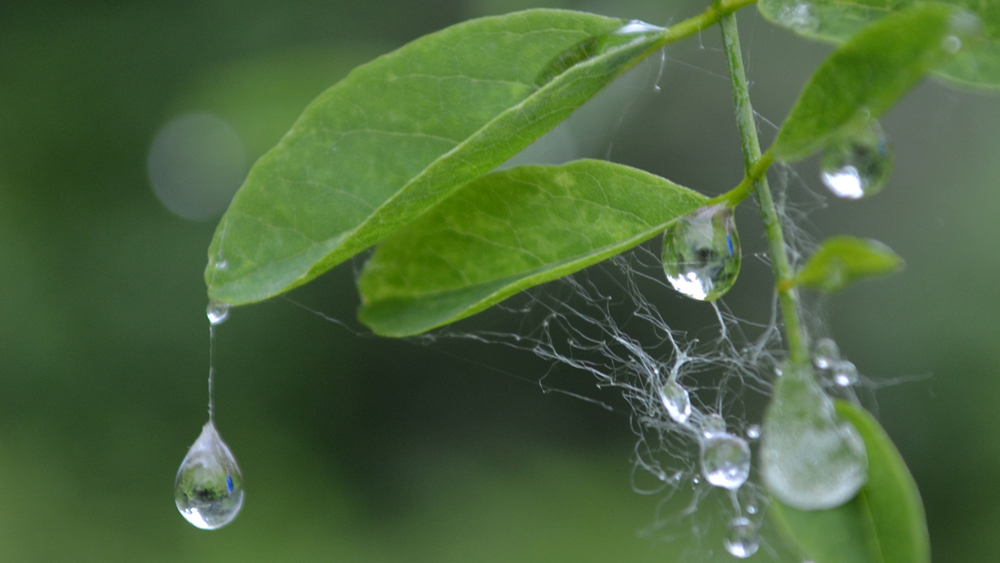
x,y
508,231
864,77
977,65
884,523
401,133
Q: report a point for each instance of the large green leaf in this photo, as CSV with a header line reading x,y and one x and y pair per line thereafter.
x,y
864,77
841,260
977,64
884,523
401,133
508,231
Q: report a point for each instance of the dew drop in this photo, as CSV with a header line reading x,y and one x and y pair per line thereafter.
x,y
800,16
951,44
826,353
712,425
753,431
743,540
845,373
858,165
751,509
701,253
725,460
810,458
221,265
209,487
217,312
676,400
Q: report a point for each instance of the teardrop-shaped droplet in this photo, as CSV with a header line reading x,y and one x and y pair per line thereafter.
x,y
701,253
725,460
676,400
217,311
209,487
859,164
826,353
845,373
810,458
743,540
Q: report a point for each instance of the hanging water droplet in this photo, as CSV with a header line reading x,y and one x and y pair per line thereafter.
x,y
725,460
826,353
676,400
713,424
753,431
743,540
858,164
845,373
701,253
810,458
209,487
217,312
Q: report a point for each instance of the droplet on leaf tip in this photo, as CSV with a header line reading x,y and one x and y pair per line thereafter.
x,y
217,312
858,164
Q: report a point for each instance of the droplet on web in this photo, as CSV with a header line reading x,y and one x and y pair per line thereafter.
x,y
725,460
676,401
208,490
743,540
826,353
845,373
701,253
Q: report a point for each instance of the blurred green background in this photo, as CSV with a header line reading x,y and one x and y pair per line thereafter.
x,y
356,448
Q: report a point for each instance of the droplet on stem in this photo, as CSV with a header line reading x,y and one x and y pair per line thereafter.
x,y
743,540
859,163
217,311
701,253
676,400
208,490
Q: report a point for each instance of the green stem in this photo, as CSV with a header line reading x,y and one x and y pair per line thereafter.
x,y
756,167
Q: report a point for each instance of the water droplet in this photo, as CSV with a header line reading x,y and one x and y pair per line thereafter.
x,y
799,16
845,373
858,164
713,424
743,540
637,27
221,265
751,509
725,460
209,487
217,312
676,400
810,458
753,431
826,353
696,480
951,44
701,253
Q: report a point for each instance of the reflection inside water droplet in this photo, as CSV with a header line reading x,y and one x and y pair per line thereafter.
x,y
209,487
743,540
858,164
701,253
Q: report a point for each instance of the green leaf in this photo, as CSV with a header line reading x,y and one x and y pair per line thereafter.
x,y
401,133
864,78
841,260
884,523
508,231
977,64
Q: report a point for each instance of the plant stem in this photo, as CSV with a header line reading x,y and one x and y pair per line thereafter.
x,y
756,167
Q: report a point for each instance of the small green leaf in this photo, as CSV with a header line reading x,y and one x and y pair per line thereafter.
x,y
864,78
841,260
399,134
510,230
884,523
976,64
